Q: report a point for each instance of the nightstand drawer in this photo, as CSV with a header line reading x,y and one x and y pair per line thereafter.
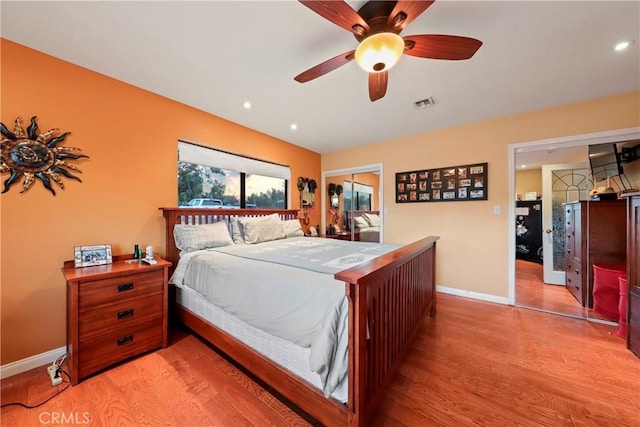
x,y
116,346
99,293
122,315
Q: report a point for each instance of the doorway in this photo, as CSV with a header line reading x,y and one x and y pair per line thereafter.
x,y
548,152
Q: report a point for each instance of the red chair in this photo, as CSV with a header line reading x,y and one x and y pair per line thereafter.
x,y
606,290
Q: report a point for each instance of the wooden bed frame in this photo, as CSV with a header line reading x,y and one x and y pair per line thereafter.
x,y
388,296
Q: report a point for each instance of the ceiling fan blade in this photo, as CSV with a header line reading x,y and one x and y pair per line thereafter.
x,y
338,12
324,67
411,10
439,46
378,85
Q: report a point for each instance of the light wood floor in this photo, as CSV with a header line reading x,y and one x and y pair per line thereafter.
x,y
475,363
532,292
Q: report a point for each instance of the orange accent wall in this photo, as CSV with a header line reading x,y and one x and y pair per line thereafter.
x,y
131,136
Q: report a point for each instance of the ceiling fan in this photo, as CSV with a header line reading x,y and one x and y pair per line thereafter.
x,y
376,26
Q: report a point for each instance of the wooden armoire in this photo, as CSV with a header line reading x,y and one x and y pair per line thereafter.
x,y
595,233
633,272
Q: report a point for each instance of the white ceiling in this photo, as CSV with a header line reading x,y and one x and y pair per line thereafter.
x,y
216,55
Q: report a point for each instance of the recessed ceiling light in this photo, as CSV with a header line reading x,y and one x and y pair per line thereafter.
x,y
623,45
247,105
294,126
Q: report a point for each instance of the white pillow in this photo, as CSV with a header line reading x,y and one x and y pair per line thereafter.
x,y
191,238
292,228
262,229
360,222
372,219
236,229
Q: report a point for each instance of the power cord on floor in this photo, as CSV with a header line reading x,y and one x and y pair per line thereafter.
x,y
58,362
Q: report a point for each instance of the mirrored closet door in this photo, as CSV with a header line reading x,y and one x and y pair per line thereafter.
x,y
352,204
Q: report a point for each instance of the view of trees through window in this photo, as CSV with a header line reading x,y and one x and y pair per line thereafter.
x,y
206,182
362,200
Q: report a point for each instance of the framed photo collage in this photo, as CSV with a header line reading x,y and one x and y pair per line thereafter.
x,y
455,183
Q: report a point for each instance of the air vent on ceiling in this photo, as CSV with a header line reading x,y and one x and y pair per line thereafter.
x,y
424,103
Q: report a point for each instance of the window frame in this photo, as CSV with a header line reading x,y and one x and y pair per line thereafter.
x,y
190,152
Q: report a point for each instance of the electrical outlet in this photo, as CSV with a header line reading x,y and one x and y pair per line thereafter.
x,y
54,375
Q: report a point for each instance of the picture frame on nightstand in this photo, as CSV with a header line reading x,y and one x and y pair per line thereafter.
x,y
87,256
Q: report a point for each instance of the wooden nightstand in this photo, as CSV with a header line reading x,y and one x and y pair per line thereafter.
x,y
114,312
343,235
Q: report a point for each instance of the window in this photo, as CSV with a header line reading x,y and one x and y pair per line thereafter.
x,y
237,181
361,196
264,191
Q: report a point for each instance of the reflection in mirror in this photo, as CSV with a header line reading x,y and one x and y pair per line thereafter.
x,y
361,217
307,189
306,197
542,191
356,191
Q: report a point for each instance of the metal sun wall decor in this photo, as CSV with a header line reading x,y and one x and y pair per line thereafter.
x,y
35,155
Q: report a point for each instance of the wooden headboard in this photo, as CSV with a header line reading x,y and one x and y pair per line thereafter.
x,y
349,214
195,216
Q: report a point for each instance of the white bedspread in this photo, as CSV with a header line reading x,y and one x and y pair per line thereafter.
x,y
306,307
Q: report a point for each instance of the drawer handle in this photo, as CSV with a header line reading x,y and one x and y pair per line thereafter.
x,y
577,271
125,340
568,251
125,287
569,280
125,313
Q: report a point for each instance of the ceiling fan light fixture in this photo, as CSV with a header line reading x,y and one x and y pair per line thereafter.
x,y
623,45
379,52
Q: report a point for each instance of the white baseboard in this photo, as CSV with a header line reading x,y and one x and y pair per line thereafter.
x,y
474,295
42,359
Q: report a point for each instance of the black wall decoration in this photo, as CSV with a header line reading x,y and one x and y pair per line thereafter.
x,y
455,183
35,155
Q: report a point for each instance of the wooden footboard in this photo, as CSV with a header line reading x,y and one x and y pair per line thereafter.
x,y
388,299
